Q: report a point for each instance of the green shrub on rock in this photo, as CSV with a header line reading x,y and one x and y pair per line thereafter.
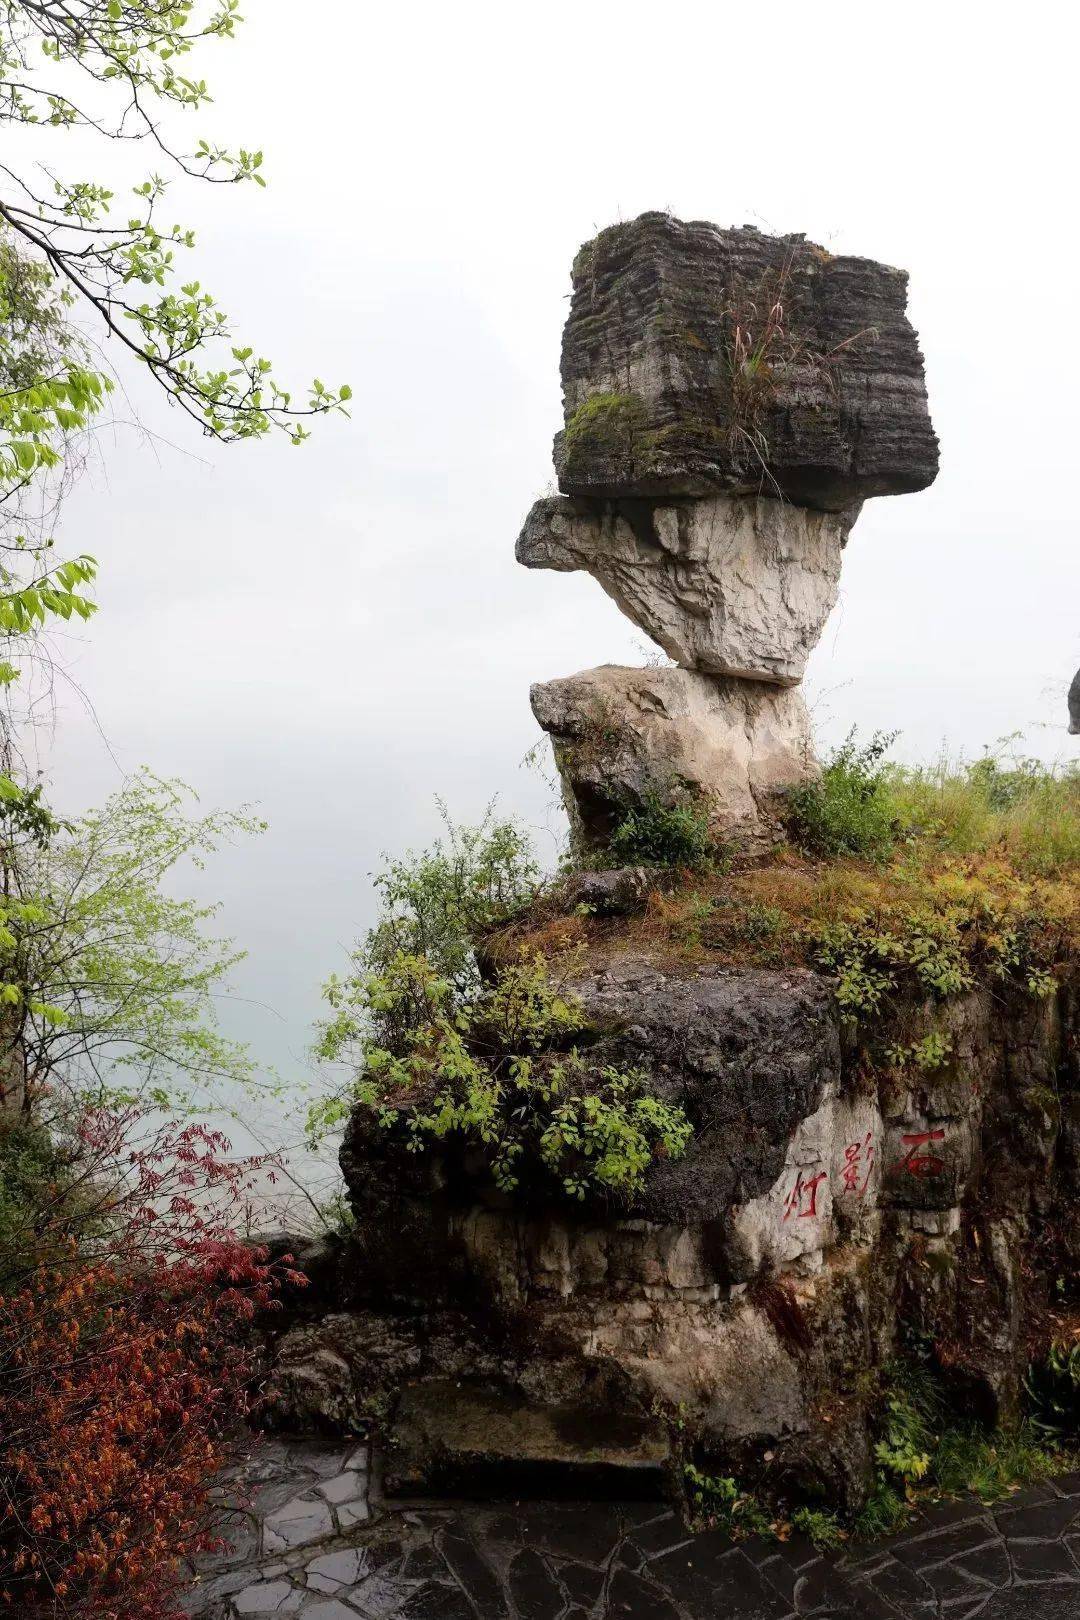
x,y
926,1450
495,1065
439,902
495,1075
1052,1387
655,833
848,810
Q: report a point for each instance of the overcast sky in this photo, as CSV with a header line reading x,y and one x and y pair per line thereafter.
x,y
340,632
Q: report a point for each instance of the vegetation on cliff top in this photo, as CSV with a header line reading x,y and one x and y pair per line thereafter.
x,y
907,884
929,880
442,1055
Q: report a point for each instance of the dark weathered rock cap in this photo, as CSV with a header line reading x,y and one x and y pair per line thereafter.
x,y
697,359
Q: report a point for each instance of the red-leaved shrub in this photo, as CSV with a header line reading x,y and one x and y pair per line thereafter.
x,y
124,1369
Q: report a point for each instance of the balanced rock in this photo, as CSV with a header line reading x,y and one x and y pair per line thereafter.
x,y
698,359
732,585
626,737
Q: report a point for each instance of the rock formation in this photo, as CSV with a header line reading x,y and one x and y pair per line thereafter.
x,y
696,359
730,401
730,585
622,735
818,1216
840,1193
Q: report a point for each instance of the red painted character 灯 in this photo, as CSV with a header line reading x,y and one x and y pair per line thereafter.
x,y
802,1191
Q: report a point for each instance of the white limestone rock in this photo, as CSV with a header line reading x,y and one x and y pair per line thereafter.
x,y
829,1184
623,736
732,585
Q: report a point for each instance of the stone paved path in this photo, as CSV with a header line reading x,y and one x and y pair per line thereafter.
x,y
318,1543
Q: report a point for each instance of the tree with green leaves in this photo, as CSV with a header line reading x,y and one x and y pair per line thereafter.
x,y
72,248
108,982
85,259
115,69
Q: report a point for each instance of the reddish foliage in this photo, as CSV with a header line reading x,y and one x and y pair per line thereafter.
x,y
123,1372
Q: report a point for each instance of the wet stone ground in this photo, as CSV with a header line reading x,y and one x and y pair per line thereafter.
x,y
316,1540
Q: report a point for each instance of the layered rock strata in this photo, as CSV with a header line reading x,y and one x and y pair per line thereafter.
x,y
730,401
696,359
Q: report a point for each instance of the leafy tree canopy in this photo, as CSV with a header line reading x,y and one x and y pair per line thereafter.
x,y
107,981
77,248
117,69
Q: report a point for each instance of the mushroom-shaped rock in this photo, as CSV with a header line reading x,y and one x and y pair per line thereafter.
x,y
731,585
698,359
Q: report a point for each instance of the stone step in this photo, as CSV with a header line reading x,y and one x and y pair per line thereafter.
x,y
469,1441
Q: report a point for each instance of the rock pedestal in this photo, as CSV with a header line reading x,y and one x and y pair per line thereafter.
x,y
623,735
730,401
727,586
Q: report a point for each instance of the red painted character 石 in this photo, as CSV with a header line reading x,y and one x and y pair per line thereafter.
x,y
917,1163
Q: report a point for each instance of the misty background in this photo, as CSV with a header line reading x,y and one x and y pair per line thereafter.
x,y
339,632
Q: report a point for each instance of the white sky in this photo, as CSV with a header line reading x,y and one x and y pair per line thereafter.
x,y
340,632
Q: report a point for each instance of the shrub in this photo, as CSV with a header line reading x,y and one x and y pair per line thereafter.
x,y
655,833
884,1512
122,1371
439,902
907,1435
821,1527
1052,1386
495,1074
720,1502
440,1055
849,809
924,1453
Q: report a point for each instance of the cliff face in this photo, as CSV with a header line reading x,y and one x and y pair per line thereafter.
x,y
821,1219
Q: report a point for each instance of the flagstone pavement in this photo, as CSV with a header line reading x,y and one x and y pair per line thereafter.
x,y
315,1540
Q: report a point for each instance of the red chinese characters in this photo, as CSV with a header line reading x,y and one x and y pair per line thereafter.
x,y
801,1201
916,1161
859,1165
